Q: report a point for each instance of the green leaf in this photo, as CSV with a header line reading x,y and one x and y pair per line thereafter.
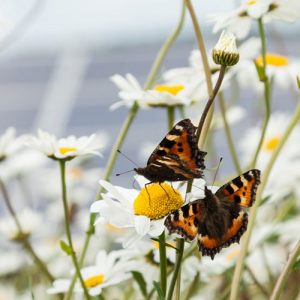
x,y
260,71
65,247
296,265
159,290
139,278
298,82
264,200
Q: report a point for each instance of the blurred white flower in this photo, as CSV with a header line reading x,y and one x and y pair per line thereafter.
x,y
11,261
165,94
9,143
109,269
29,220
239,21
130,90
288,161
234,114
281,70
65,148
21,164
171,95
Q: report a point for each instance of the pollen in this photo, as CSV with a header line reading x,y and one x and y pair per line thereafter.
x,y
155,201
94,281
251,2
171,89
273,60
272,143
64,150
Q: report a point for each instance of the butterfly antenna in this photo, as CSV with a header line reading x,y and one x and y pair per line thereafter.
x,y
118,174
119,151
217,170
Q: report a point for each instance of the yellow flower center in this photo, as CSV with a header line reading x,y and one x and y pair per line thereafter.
x,y
171,89
157,200
94,281
64,150
273,60
272,143
251,2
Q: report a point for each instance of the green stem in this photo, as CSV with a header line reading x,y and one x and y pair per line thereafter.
x,y
62,165
123,133
267,92
162,239
171,116
165,49
228,134
266,174
255,280
207,71
179,254
23,237
163,263
285,273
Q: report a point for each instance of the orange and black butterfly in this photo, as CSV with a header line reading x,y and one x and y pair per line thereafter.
x,y
177,157
218,220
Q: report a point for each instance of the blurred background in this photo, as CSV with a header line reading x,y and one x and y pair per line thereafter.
x,y
57,56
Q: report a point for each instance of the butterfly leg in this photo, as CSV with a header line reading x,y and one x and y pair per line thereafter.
x,y
164,190
148,192
175,192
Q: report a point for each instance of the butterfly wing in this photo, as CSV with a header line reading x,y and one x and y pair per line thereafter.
x,y
185,220
177,157
210,246
242,189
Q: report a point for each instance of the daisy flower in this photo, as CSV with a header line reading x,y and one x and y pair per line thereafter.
x,y
162,95
109,269
142,211
9,143
239,21
28,219
278,184
65,148
282,70
130,90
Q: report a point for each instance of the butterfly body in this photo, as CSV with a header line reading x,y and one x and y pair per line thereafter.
x,y
218,220
177,157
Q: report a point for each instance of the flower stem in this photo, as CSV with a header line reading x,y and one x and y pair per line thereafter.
x,y
171,117
163,263
208,105
228,134
240,263
23,237
125,128
206,67
267,91
179,254
285,273
62,165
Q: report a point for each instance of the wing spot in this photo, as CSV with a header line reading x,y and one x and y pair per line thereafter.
x,y
179,144
237,198
180,149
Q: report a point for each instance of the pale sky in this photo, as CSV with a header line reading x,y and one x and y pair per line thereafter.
x,y
79,23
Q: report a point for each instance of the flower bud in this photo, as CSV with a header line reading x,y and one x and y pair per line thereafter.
x,y
225,52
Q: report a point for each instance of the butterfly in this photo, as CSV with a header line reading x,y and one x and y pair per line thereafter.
x,y
177,157
218,220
